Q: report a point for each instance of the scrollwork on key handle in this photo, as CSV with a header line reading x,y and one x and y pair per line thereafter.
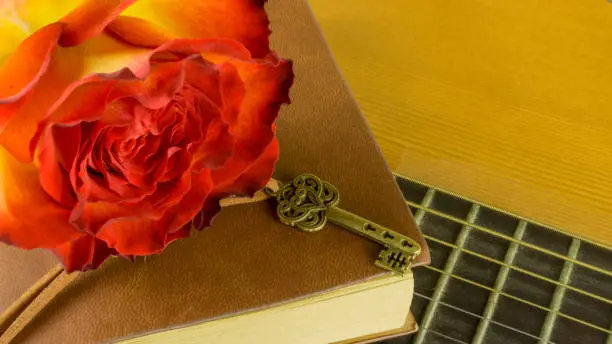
x,y
303,202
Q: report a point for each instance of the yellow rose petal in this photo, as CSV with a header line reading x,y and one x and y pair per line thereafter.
x,y
39,13
104,54
12,34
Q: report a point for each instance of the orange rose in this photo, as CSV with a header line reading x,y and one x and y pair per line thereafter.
x,y
123,123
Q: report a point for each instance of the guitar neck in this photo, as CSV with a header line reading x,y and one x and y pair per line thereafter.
x,y
499,278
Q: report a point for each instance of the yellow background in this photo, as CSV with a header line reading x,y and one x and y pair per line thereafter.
x,y
507,102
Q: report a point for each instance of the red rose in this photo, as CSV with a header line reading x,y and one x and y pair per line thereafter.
x,y
128,157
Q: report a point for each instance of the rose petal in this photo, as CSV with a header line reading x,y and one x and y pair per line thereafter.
x,y
83,18
91,215
251,180
83,253
242,20
220,83
27,64
180,234
29,218
133,236
56,158
102,54
67,65
89,19
267,88
12,33
216,149
142,236
233,90
256,176
179,49
138,32
96,92
86,99
178,162
139,60
38,13
209,209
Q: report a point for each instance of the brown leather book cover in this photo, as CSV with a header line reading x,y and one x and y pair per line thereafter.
x,y
247,260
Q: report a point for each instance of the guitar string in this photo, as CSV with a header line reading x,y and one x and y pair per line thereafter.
x,y
509,238
467,199
454,340
521,270
492,321
516,298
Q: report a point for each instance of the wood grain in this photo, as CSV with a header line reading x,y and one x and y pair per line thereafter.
x,y
506,102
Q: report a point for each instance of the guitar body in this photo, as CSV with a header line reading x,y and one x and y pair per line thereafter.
x,y
506,102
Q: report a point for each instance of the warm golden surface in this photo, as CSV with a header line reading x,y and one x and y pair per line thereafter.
x,y
506,102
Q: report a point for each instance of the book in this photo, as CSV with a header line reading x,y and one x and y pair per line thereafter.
x,y
249,277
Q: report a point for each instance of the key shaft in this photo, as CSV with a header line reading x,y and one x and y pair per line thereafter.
x,y
373,231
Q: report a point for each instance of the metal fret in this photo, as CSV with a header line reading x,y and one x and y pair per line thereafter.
x,y
502,277
557,299
443,281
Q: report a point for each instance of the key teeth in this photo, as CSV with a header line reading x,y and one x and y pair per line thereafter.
x,y
394,261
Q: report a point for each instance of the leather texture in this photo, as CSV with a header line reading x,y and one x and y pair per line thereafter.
x,y
247,260
19,270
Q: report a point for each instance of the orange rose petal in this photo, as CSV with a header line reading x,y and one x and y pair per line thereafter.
x,y
256,176
183,212
83,253
133,236
92,215
138,32
54,175
98,55
89,19
86,99
141,236
12,33
267,88
210,49
242,20
139,60
102,54
25,114
233,91
8,111
95,92
249,181
75,105
27,64
180,234
80,101
29,218
34,14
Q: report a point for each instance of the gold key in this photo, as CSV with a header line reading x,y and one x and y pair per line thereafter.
x,y
308,202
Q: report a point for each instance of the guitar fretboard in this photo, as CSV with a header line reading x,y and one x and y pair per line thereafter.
x,y
499,278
